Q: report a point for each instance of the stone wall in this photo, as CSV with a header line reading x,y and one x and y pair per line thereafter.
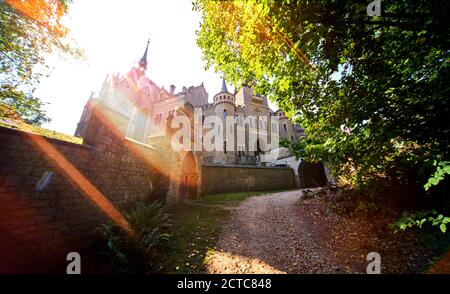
x,y
53,193
292,162
222,178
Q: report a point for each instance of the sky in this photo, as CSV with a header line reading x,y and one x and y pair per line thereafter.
x,y
114,34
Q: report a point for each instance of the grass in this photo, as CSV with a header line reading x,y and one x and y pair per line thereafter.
x,y
17,125
196,228
234,197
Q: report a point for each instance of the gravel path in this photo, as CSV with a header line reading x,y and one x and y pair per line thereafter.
x,y
286,233
267,234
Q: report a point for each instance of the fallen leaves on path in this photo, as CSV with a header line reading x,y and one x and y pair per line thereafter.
x,y
281,233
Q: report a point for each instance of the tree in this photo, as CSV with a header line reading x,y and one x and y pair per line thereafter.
x,y
371,92
29,31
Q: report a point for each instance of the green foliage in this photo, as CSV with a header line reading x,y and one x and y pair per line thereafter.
x,y
17,105
196,229
443,168
421,218
29,32
371,92
139,252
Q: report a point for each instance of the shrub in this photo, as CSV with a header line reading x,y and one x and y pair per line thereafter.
x,y
139,252
418,219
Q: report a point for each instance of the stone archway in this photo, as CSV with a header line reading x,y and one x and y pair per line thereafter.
x,y
185,167
312,174
189,176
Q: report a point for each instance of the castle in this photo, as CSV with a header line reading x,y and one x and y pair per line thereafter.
x,y
148,108
127,154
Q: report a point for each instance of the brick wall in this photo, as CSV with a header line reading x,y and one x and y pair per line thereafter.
x,y
221,179
53,193
41,221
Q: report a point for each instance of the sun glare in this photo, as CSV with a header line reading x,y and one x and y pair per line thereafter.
x,y
113,37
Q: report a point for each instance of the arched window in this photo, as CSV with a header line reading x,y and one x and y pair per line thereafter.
x,y
224,113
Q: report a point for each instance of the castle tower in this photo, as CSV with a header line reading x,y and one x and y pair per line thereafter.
x,y
143,62
131,96
224,106
286,127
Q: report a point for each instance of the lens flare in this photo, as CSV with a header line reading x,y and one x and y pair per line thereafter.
x,y
46,12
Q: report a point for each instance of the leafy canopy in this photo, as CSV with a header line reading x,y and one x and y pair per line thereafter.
x,y
371,92
29,31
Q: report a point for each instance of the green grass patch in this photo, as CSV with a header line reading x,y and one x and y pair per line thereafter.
x,y
17,125
235,197
196,228
195,231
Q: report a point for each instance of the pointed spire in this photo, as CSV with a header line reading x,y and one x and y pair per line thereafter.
x,y
143,61
224,86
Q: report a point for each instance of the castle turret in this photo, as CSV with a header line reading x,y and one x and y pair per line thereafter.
x,y
286,127
224,106
143,62
224,102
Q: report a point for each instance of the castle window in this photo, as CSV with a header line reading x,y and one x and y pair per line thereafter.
x,y
158,118
285,127
225,147
224,113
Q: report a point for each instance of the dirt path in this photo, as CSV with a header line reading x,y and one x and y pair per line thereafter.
x,y
266,234
283,233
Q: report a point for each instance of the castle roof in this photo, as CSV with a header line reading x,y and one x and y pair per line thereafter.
x,y
224,87
143,62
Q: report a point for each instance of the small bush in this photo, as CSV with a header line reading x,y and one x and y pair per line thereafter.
x,y
418,219
140,252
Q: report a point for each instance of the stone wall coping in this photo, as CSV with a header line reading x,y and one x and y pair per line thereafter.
x,y
17,132
139,143
285,157
156,136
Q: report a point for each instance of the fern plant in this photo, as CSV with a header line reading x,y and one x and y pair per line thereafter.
x,y
139,252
